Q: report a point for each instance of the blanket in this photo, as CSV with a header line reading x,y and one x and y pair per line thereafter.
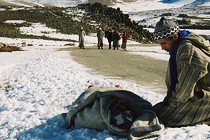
x,y
119,111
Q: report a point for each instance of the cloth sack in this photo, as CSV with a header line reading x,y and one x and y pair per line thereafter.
x,y
119,111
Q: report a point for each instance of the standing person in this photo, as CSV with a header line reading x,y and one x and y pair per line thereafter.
x,y
100,35
116,38
188,77
124,41
82,38
109,36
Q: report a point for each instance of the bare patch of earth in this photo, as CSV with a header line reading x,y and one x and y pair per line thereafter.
x,y
4,48
121,64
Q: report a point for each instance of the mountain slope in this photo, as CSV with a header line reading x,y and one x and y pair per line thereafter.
x,y
139,4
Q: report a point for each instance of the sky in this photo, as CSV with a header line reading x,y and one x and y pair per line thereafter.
x,y
39,83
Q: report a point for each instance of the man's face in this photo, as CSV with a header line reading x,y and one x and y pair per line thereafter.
x,y
165,44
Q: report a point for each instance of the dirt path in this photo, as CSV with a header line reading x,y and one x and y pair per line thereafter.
x,y
118,63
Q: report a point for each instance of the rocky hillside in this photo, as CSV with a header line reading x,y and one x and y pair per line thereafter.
x,y
69,20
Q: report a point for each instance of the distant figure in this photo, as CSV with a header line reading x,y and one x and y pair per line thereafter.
x,y
124,41
116,38
100,35
109,36
81,38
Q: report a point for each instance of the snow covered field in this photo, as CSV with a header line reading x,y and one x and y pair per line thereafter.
x,y
38,84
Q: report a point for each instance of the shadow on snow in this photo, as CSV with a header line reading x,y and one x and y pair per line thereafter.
x,y
53,129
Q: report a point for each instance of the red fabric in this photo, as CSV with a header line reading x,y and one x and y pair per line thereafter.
x,y
124,37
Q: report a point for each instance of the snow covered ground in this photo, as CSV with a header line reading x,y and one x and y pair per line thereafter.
x,y
38,84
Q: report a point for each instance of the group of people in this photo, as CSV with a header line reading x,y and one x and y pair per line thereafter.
x,y
113,38
187,101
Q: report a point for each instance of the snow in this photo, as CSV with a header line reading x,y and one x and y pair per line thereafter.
x,y
39,83
153,52
138,5
143,5
206,4
197,31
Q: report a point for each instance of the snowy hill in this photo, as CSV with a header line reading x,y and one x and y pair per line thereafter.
x,y
139,4
148,11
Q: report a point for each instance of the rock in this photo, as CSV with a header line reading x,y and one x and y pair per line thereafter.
x,y
107,17
7,48
23,44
